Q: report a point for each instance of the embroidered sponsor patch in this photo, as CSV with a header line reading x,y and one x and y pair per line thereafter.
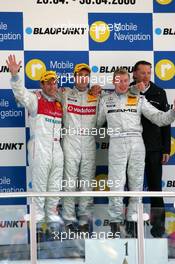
x,y
81,110
91,98
132,100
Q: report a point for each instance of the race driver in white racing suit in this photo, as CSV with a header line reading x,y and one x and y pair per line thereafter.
x,y
79,147
122,109
44,150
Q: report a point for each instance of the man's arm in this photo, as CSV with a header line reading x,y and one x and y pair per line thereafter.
x,y
156,116
61,93
26,98
101,117
165,131
136,88
23,96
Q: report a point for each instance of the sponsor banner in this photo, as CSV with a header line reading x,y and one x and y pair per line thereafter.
x,y
4,70
12,147
56,33
13,227
11,34
168,182
101,219
63,62
12,179
10,114
164,31
164,6
120,31
164,63
104,63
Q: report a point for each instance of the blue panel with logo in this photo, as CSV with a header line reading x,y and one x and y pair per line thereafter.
x,y
10,114
164,6
12,179
120,31
62,62
164,62
11,31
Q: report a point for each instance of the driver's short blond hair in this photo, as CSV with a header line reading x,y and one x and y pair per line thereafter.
x,y
120,72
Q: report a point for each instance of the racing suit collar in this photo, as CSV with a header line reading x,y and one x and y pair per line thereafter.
x,y
50,99
80,92
119,94
146,89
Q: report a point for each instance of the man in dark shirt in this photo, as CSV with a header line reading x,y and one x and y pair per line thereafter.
x,y
157,142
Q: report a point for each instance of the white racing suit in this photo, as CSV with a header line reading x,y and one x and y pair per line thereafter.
x,y
79,146
126,148
44,150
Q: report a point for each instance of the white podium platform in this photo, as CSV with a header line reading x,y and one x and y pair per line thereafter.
x,y
112,251
124,251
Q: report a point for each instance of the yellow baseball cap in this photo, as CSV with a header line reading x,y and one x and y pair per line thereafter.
x,y
47,75
81,66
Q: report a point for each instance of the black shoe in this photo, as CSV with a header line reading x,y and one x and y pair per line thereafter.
x,y
72,231
115,229
131,229
84,228
158,222
71,228
157,217
84,231
157,231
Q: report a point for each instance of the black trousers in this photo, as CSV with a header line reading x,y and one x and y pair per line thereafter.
x,y
153,170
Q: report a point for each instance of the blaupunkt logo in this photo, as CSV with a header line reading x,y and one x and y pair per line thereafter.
x,y
110,69
165,31
56,31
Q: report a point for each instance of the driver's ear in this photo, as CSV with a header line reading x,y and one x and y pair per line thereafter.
x,y
134,75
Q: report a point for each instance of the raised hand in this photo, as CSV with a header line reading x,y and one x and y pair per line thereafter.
x,y
13,65
95,90
140,86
